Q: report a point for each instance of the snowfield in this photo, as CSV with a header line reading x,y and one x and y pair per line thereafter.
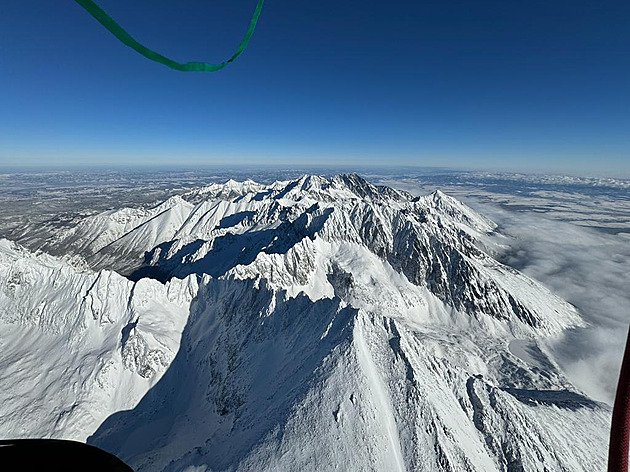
x,y
314,324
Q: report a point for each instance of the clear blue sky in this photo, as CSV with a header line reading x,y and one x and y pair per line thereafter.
x,y
527,85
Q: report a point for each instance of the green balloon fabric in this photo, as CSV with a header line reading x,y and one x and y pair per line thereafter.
x,y
108,22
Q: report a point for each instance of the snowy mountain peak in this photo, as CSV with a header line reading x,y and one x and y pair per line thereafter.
x,y
288,233
230,189
440,203
310,324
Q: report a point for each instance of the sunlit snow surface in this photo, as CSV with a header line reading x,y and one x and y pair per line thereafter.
x,y
315,323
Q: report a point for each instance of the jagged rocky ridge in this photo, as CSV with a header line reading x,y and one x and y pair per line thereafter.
x,y
317,324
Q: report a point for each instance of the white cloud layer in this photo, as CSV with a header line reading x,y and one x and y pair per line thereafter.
x,y
588,268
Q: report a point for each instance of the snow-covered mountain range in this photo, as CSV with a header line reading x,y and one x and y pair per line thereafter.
x,y
314,324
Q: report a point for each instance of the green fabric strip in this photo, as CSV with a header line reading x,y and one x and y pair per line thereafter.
x,y
108,22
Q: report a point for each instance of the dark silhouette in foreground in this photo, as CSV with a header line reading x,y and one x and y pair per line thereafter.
x,y
57,454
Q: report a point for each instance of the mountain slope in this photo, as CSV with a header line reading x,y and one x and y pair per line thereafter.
x,y
314,385
77,345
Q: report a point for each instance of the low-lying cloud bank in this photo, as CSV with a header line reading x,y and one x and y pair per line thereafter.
x,y
588,268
